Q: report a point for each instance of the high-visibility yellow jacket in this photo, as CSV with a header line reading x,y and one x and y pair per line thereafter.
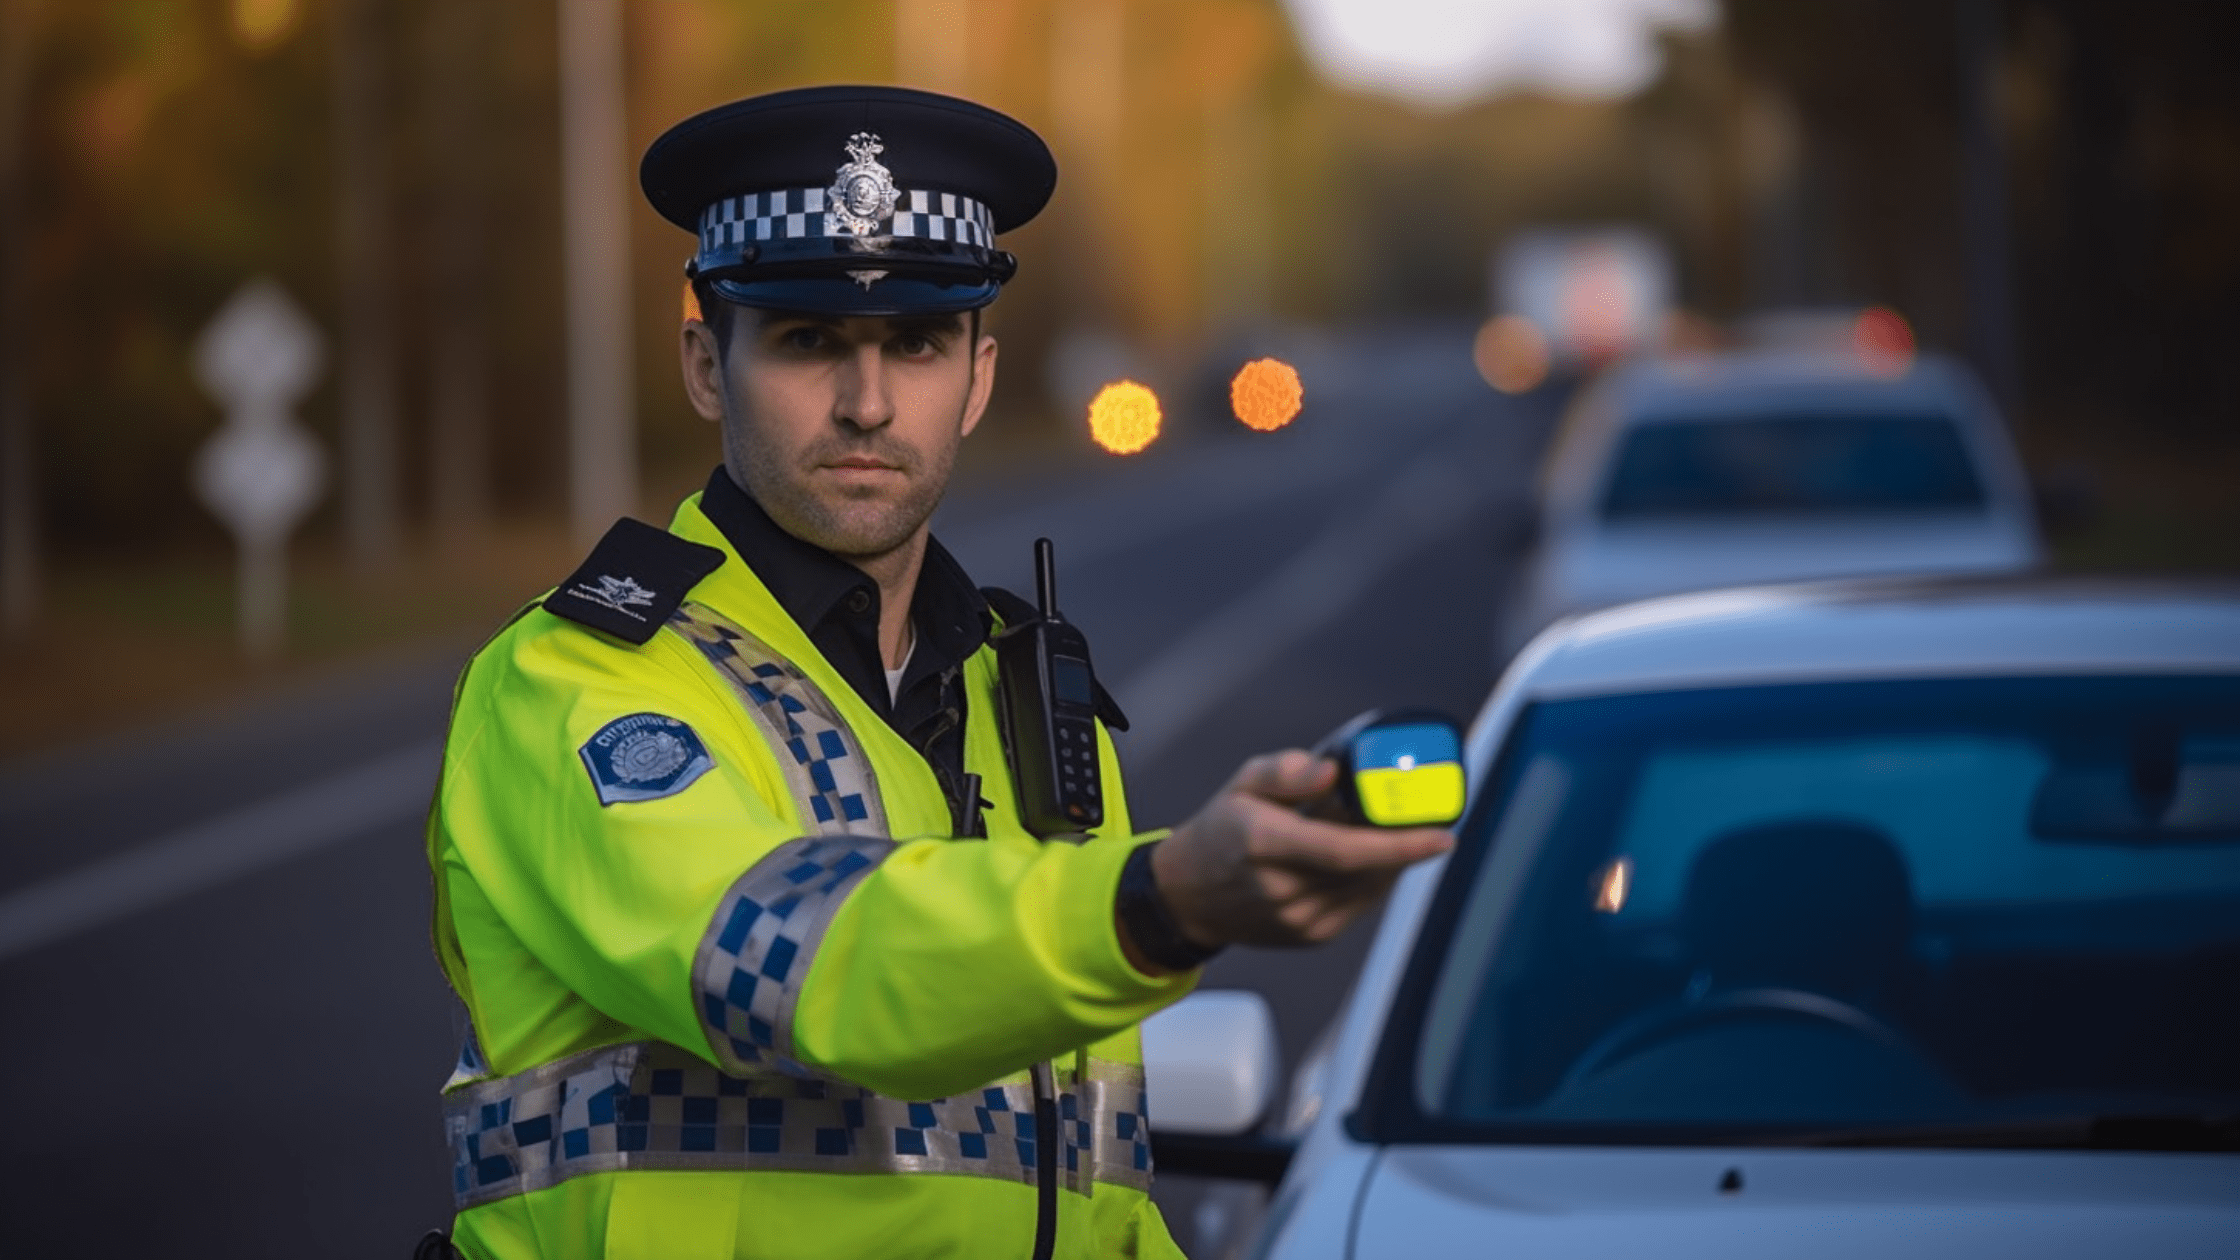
x,y
734,989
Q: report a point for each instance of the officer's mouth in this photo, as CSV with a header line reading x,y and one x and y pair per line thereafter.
x,y
855,471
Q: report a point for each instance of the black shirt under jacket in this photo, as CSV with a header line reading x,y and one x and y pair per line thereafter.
x,y
837,605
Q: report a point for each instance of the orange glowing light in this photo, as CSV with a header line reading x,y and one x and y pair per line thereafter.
x,y
691,303
1511,353
1124,417
1884,340
1266,394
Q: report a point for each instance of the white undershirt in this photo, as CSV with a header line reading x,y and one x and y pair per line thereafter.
x,y
894,676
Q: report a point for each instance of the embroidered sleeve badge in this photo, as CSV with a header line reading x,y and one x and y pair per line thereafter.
x,y
644,757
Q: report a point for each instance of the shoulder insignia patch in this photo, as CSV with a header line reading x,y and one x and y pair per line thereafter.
x,y
633,580
644,757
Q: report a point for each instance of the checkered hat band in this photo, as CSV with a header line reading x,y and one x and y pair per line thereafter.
x,y
801,213
654,1107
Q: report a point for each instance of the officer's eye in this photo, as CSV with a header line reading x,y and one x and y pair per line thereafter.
x,y
916,345
803,338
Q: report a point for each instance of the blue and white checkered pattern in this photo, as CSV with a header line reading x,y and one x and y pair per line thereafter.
x,y
654,1106
789,214
1106,1115
758,948
823,762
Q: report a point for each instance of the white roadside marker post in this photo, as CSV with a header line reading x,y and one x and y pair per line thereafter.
x,y
261,473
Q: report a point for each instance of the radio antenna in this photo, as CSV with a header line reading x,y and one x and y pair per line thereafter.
x,y
1046,578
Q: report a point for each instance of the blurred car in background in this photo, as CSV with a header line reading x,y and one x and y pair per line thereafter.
x,y
1695,472
1883,918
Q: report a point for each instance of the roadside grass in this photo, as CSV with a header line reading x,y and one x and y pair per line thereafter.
x,y
2163,507
125,643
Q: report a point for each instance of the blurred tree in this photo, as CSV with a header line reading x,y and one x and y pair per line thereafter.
x,y
1210,182
20,577
2117,126
365,235
456,51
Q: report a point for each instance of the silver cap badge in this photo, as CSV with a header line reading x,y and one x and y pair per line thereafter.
x,y
863,194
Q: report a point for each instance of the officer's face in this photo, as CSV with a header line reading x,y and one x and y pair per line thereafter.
x,y
843,429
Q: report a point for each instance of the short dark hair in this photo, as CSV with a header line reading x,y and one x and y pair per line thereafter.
x,y
716,313
721,315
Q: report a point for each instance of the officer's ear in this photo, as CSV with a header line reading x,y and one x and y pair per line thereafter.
x,y
702,361
983,381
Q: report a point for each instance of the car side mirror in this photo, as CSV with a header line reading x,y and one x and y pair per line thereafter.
x,y
1210,1062
1210,1068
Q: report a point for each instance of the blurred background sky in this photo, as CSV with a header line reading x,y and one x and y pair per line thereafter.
x,y
2050,188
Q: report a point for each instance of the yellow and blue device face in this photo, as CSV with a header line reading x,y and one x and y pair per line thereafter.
x,y
1409,775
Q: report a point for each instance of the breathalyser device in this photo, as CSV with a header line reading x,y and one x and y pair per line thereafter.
x,y
1396,768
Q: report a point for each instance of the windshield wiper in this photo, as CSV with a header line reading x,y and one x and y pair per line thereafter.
x,y
2072,1133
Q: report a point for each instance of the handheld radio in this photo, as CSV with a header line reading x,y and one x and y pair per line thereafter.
x,y
1049,712
1396,768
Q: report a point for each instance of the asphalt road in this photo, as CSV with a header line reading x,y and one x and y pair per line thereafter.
x,y
225,1029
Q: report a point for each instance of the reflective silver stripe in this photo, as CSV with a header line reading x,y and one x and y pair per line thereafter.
x,y
759,945
653,1106
824,763
1105,1127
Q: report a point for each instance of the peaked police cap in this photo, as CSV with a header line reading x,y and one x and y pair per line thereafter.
x,y
850,200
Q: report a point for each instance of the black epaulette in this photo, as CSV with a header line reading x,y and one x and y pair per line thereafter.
x,y
633,580
1015,611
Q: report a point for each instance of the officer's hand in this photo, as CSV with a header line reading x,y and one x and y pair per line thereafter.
x,y
1249,869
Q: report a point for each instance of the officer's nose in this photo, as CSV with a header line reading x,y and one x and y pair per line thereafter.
x,y
865,401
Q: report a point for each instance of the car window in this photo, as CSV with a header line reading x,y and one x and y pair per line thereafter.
x,y
1814,463
1845,905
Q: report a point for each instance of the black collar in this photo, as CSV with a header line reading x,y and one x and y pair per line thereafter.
x,y
837,605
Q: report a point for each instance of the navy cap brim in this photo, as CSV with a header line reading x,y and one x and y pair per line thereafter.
x,y
890,295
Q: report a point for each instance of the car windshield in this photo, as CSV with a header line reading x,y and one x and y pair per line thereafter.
x,y
1837,907
1829,463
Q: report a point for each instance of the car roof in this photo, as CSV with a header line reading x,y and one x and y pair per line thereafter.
x,y
1887,628
1742,384
1713,386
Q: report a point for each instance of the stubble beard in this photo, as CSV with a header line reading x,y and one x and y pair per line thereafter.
x,y
856,524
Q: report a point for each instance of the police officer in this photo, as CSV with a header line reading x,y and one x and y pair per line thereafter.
x,y
729,873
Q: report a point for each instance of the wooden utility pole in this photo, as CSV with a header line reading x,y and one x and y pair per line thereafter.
x,y
458,47
368,317
602,437
20,576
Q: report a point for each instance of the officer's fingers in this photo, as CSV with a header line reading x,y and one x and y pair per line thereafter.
x,y
1333,920
1281,884
1285,838
1300,914
1288,777
1316,919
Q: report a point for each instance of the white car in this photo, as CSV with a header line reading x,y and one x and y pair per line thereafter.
x,y
1843,919
1690,473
